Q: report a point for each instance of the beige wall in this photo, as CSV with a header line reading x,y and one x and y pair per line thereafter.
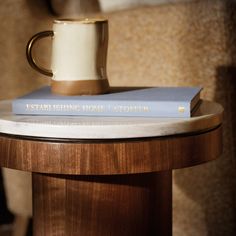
x,y
191,44
176,44
19,20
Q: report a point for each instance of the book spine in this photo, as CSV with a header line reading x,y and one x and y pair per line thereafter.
x,y
102,108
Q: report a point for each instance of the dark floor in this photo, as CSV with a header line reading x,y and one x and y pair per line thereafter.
x,y
6,218
5,230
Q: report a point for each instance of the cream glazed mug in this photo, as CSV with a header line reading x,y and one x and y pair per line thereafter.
x,y
79,55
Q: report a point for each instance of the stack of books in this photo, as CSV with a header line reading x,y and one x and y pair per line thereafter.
x,y
179,102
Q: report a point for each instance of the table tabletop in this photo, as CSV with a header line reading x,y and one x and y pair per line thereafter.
x,y
207,116
109,145
121,166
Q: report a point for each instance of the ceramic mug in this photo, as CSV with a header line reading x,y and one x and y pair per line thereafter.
x,y
79,54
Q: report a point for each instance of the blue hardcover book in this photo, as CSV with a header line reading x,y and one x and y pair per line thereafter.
x,y
148,102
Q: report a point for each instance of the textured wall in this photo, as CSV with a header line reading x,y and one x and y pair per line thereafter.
x,y
19,20
190,44
174,44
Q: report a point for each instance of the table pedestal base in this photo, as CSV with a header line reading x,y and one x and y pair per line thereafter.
x,y
114,205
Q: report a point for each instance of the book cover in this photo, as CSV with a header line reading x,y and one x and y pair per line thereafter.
x,y
148,102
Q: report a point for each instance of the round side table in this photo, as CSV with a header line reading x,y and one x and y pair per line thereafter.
x,y
106,175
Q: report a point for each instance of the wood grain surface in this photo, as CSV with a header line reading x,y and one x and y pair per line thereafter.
x,y
106,187
110,156
127,205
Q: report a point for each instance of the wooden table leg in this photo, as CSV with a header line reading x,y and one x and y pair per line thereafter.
x,y
114,205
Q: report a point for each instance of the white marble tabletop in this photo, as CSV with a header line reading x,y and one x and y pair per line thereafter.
x,y
208,115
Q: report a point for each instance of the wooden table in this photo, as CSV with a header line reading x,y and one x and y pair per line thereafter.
x,y
106,176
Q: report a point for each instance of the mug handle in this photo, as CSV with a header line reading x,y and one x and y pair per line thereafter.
x,y
29,56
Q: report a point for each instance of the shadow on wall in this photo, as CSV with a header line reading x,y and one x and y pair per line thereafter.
x,y
227,74
42,6
212,186
226,80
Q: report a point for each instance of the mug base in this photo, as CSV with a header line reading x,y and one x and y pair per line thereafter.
x,y
80,87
